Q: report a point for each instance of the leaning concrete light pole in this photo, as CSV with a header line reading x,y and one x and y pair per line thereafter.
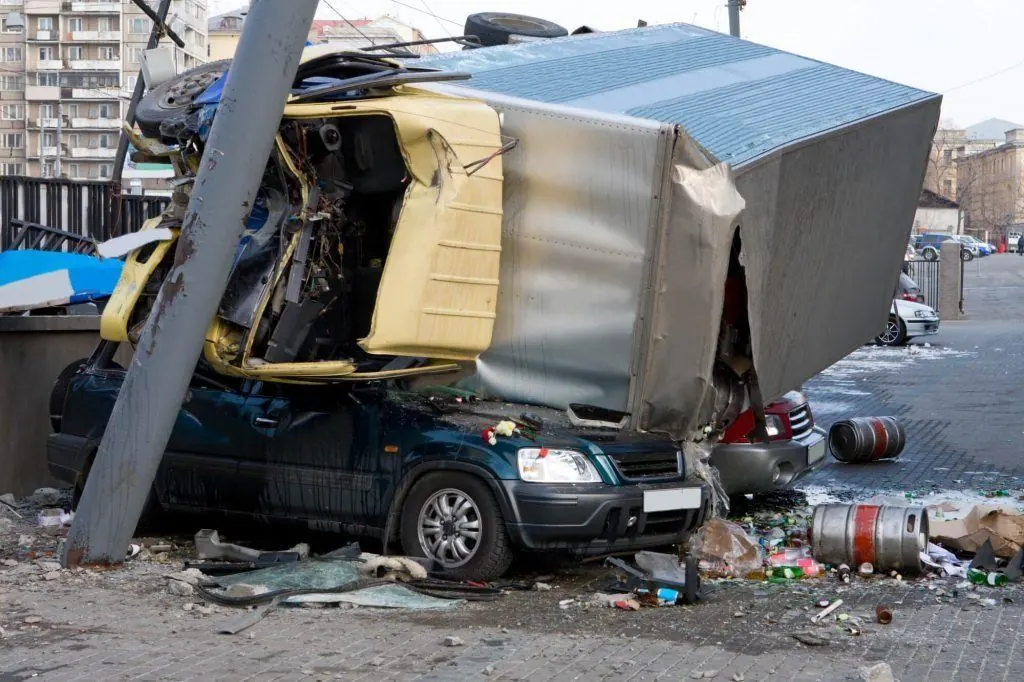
x,y
734,16
236,153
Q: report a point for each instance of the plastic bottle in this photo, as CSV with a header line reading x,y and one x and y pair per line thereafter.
x,y
844,573
993,579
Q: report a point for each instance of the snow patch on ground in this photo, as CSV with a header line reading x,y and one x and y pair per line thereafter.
x,y
872,359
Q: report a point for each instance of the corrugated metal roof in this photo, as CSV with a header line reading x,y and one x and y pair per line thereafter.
x,y
738,99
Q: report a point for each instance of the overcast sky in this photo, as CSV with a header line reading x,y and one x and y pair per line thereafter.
x,y
969,51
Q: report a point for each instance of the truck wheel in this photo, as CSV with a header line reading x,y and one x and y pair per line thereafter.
x,y
895,333
174,97
454,519
495,28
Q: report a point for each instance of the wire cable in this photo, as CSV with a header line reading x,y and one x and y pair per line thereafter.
x,y
436,18
343,18
421,11
1000,72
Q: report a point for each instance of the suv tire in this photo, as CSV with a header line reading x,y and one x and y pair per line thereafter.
x,y
966,255
930,254
444,507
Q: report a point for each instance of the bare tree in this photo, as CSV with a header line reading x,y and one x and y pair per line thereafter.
x,y
990,189
941,172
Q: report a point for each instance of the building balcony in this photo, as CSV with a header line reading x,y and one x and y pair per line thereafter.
x,y
92,93
91,153
47,65
42,36
11,3
35,152
42,6
92,7
94,64
93,36
96,123
46,122
37,93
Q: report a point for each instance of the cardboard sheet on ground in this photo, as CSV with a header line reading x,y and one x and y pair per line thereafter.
x,y
1004,526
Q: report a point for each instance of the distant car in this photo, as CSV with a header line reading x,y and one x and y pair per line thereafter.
x,y
908,320
929,245
908,290
980,247
795,446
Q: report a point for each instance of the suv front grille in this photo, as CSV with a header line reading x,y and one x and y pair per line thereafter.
x,y
648,467
800,421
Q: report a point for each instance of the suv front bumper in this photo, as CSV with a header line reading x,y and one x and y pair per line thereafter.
x,y
588,519
751,467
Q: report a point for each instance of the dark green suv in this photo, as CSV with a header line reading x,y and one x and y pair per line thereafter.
x,y
430,471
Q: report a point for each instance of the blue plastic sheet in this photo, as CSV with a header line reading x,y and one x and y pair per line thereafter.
x,y
41,279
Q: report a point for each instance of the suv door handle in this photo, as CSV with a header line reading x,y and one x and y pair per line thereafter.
x,y
266,422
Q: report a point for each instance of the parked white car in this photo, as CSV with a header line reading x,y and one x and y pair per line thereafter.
x,y
908,320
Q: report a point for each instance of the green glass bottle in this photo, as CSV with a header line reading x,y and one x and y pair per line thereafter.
x,y
993,579
787,572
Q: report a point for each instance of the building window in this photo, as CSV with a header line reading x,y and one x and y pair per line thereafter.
x,y
73,141
104,24
12,140
8,83
45,111
73,110
46,53
12,169
947,155
139,25
104,141
104,111
13,112
76,52
130,81
50,78
11,54
49,139
9,29
46,169
135,55
76,24
44,23
108,53
105,170
74,171
947,188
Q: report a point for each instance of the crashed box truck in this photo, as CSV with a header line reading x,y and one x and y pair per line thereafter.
x,y
618,241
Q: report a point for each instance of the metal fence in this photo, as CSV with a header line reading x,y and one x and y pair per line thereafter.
x,y
72,206
926,274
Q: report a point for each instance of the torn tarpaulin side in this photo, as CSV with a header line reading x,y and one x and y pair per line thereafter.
x,y
42,279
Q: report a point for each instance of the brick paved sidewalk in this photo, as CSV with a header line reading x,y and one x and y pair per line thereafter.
x,y
122,625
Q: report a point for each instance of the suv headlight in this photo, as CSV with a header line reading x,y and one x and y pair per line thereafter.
x,y
544,465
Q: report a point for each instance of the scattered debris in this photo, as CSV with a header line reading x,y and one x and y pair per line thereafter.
x,y
541,587
54,518
883,614
180,589
451,640
827,610
880,672
810,638
725,550
33,620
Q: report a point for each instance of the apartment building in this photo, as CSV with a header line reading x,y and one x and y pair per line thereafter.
x,y
67,69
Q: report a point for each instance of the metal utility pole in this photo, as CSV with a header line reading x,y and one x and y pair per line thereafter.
x,y
235,155
159,19
734,16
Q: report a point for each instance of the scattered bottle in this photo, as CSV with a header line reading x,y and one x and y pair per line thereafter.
x,y
844,573
993,579
788,572
866,570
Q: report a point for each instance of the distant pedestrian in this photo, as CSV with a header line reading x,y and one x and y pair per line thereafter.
x,y
1020,245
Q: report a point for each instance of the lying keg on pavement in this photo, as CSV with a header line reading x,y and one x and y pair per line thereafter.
x,y
866,439
890,538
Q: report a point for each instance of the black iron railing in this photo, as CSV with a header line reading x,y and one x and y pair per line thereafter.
x,y
73,207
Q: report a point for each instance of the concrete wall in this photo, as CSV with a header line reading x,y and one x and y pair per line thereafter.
x,y
33,351
949,282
